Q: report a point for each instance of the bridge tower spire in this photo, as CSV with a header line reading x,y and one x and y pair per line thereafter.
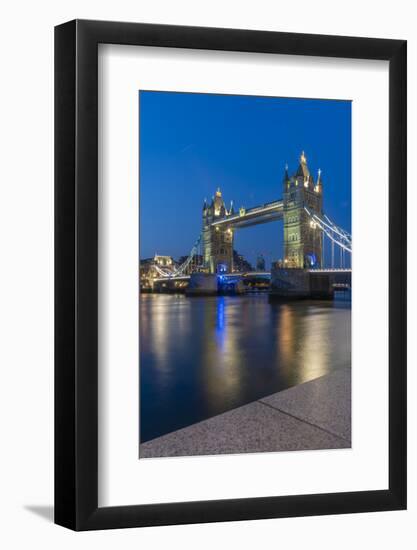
x,y
217,241
303,241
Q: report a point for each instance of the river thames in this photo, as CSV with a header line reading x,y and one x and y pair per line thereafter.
x,y
202,356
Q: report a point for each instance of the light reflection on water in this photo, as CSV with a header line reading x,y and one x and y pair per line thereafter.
x,y
203,356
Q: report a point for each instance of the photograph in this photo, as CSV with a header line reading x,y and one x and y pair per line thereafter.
x,y
245,274
194,351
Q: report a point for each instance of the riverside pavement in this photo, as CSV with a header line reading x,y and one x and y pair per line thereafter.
x,y
312,415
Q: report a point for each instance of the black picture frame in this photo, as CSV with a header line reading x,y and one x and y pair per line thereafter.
x,y
76,272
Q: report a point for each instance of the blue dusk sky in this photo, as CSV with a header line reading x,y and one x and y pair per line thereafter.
x,y
191,144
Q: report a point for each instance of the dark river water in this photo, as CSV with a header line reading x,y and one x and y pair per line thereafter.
x,y
203,356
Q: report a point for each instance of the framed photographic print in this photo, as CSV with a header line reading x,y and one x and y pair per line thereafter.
x,y
230,275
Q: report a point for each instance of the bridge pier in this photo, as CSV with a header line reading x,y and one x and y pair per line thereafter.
x,y
299,284
202,284
207,284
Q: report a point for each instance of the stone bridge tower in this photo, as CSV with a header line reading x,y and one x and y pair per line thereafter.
x,y
303,240
217,241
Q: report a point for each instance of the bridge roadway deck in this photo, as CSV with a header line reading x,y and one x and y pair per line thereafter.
x,y
257,274
312,415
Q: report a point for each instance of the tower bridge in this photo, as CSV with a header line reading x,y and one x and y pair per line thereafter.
x,y
305,228
301,209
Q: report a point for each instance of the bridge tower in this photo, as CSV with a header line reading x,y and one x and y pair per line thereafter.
x,y
217,242
303,240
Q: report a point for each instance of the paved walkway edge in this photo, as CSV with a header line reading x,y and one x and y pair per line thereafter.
x,y
313,415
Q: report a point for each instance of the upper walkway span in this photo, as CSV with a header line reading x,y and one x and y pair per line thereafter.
x,y
247,217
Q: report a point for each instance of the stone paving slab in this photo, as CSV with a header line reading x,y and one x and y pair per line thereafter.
x,y
324,402
262,426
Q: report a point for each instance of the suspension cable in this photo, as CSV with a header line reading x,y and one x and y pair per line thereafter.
x,y
334,233
180,270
